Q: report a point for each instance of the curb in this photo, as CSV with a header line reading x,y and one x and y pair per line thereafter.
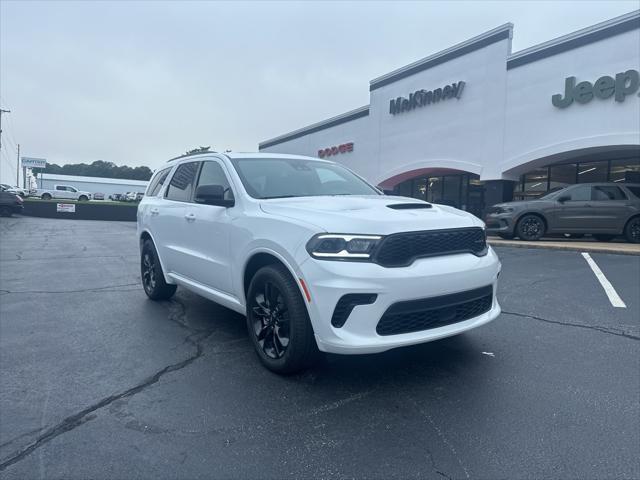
x,y
629,249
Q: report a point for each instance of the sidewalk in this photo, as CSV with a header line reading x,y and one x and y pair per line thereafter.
x,y
583,245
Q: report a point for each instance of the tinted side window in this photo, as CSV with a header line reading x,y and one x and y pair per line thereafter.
x,y
158,182
607,193
212,174
59,187
181,185
580,194
634,190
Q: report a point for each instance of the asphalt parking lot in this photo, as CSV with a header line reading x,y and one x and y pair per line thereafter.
x,y
96,381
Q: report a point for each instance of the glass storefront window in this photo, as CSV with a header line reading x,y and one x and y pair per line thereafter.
x,y
535,182
404,189
562,175
625,169
451,191
419,188
592,172
434,191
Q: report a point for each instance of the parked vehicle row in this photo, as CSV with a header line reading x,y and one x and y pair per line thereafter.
x,y
5,187
604,210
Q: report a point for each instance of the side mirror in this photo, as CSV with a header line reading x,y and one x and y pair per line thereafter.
x,y
213,195
564,198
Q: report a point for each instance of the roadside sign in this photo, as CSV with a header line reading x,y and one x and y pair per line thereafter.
x,y
30,162
66,207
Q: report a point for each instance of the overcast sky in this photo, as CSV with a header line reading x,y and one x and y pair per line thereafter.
x,y
137,83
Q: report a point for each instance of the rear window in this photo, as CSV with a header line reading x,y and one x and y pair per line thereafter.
x,y
607,193
158,182
634,189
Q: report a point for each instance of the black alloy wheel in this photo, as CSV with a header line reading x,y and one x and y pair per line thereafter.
x,y
632,230
531,228
151,273
278,322
271,323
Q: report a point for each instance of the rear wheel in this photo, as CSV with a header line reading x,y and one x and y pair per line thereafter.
x,y
604,238
531,227
151,272
278,322
632,230
46,196
5,211
83,198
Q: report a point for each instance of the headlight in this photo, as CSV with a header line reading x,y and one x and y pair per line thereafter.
x,y
500,210
332,246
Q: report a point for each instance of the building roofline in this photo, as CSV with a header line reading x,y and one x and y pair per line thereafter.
x,y
579,38
316,127
504,31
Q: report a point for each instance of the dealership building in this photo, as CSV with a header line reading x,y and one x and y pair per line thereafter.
x,y
476,124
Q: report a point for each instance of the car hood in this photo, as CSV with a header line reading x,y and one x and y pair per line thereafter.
x,y
369,214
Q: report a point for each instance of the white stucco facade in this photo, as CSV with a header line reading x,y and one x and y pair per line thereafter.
x,y
503,123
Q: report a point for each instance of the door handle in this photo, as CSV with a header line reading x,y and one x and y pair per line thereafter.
x,y
154,211
190,217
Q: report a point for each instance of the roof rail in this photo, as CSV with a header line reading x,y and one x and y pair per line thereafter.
x,y
190,153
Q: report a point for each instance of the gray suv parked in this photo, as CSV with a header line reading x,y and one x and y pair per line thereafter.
x,y
604,210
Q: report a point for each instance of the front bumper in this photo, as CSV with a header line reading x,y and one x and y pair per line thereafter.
x,y
328,281
500,223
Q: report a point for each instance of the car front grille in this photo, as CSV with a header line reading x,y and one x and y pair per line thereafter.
x,y
401,249
424,314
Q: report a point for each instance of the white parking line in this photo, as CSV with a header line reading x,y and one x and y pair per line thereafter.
x,y
614,298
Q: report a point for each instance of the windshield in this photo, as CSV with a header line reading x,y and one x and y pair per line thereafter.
x,y
552,193
282,177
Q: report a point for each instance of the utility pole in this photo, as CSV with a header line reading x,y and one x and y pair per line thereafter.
x,y
1,112
18,168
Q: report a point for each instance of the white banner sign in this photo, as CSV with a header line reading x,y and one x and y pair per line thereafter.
x,y
66,207
30,162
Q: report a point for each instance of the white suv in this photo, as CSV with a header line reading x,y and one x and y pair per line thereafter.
x,y
314,256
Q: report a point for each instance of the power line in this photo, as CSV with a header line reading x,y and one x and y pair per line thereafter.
x,y
1,112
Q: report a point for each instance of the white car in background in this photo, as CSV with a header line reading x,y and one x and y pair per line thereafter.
x,y
5,187
313,255
66,192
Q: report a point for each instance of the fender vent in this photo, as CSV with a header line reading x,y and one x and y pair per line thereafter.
x,y
409,206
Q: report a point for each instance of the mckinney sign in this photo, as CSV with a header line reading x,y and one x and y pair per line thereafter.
x,y
422,98
625,83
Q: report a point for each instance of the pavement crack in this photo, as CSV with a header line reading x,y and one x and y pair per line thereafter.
x,y
82,290
77,419
597,328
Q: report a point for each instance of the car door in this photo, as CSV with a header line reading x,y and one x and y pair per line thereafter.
x,y
60,192
169,223
610,207
206,233
574,212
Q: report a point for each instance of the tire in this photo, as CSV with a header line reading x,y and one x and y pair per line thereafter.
x,y
530,228
83,198
6,212
46,196
604,238
270,326
632,230
151,274
506,236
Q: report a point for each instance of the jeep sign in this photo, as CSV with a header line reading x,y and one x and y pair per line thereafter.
x,y
625,83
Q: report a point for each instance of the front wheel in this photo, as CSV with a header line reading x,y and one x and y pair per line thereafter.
x,y
632,230
278,322
151,272
83,198
531,227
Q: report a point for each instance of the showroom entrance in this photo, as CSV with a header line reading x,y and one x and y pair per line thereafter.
x,y
461,190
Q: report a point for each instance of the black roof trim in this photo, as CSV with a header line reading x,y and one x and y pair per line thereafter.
x,y
339,120
471,47
595,36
